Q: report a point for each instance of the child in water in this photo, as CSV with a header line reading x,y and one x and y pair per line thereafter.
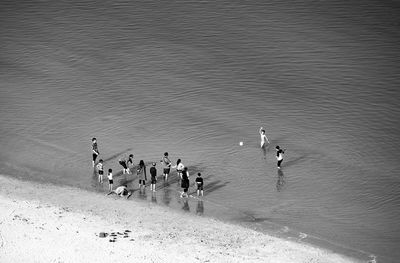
x,y
110,180
199,183
100,171
141,172
166,165
264,138
153,173
185,182
179,168
130,163
279,156
95,150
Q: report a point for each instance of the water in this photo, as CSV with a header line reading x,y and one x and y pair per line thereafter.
x,y
195,79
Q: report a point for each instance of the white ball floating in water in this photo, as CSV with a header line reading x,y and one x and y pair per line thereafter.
x,y
241,143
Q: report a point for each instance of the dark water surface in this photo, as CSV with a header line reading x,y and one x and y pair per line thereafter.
x,y
194,79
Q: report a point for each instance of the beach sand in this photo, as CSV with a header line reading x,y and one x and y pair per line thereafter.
x,y
48,223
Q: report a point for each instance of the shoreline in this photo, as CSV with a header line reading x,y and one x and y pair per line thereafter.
x,y
36,215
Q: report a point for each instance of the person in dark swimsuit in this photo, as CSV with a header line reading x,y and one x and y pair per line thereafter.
x,y
123,163
141,172
279,156
95,150
130,163
153,173
199,183
185,182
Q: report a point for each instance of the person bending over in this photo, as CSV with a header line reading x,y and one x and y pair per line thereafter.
x,y
121,191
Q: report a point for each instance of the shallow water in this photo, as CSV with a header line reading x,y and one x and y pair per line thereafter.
x,y
195,79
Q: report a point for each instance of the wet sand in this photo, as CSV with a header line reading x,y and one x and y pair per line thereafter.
x,y
47,223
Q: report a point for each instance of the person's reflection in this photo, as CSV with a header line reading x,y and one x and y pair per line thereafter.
x,y
281,180
142,194
166,198
185,206
95,181
154,197
265,149
200,208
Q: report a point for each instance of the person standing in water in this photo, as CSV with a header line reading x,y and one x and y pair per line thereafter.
x,y
279,156
100,170
264,138
179,168
95,150
141,172
199,182
185,182
166,162
130,163
110,180
153,173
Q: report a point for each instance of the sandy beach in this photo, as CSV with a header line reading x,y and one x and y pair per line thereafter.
x,y
47,223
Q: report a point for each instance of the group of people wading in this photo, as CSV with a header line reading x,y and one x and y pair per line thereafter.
x,y
128,167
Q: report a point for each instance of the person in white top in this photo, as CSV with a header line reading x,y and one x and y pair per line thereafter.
x,y
121,191
100,171
179,168
264,138
110,179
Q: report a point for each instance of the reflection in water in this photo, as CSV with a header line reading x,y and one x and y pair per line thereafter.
x,y
264,150
200,208
166,197
95,182
154,197
281,180
142,194
185,206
